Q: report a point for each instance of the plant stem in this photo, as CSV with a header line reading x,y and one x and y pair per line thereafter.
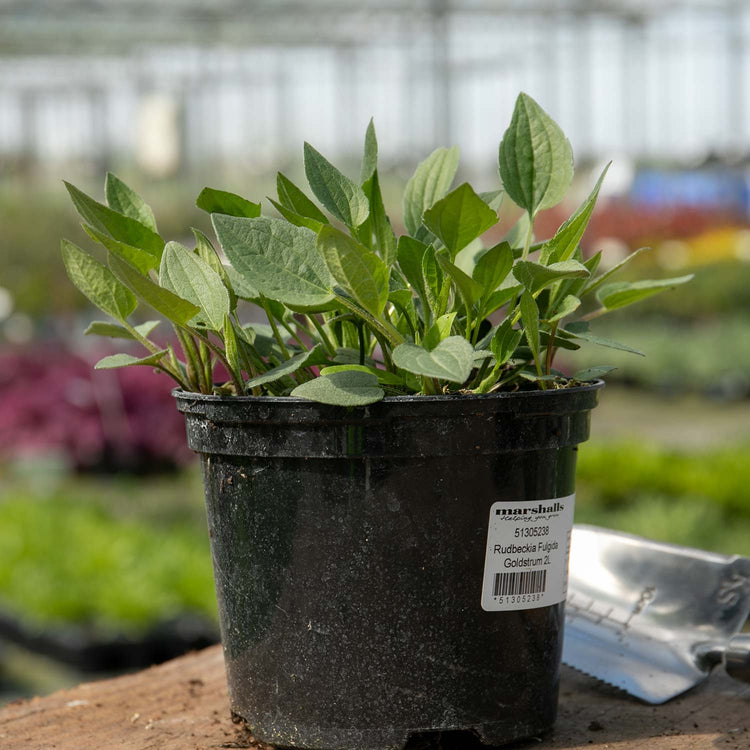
x,y
527,241
594,314
323,335
551,346
194,370
237,382
274,327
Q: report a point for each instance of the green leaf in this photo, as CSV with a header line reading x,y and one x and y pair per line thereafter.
x,y
359,272
385,239
384,377
114,331
564,308
97,282
566,239
535,276
530,319
231,346
242,287
171,306
493,267
438,331
501,297
535,158
429,183
295,200
314,356
620,294
207,252
493,198
192,279
125,200
141,259
114,224
127,360
214,201
277,258
410,253
370,158
452,359
347,388
504,342
469,290
594,284
298,219
573,330
592,373
342,197
459,218
433,281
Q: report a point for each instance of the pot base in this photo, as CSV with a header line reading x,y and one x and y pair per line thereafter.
x,y
490,735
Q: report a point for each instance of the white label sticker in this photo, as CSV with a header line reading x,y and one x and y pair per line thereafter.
x,y
528,545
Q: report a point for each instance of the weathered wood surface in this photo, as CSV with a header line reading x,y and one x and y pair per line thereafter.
x,y
182,705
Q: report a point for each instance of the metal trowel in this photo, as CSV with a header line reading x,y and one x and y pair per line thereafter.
x,y
654,618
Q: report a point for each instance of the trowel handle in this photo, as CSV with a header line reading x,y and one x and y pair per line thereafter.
x,y
737,657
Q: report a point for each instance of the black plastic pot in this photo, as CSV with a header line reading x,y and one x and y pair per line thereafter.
x,y
349,551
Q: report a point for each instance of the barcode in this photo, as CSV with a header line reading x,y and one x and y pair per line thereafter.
x,y
528,582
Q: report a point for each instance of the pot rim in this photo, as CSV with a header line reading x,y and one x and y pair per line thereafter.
x,y
594,385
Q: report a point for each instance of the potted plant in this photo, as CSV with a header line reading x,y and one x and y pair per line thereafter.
x,y
389,460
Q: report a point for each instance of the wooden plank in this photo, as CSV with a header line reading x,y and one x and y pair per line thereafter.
x,y
182,705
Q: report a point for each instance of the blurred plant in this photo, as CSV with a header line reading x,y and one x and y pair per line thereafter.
x,y
365,311
50,401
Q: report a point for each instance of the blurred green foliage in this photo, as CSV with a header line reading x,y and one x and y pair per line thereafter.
x,y
66,560
696,498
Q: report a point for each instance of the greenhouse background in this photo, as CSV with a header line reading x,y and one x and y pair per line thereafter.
x,y
98,492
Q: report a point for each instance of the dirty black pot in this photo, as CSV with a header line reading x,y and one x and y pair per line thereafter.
x,y
394,569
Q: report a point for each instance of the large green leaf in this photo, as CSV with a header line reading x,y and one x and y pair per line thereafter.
x,y
347,388
192,279
566,239
452,359
493,267
535,276
619,294
125,200
142,260
342,197
314,356
171,306
128,360
459,218
214,201
535,158
358,271
242,287
97,282
295,200
114,224
276,258
429,183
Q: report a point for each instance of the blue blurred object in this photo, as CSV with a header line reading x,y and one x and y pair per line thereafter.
x,y
715,187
